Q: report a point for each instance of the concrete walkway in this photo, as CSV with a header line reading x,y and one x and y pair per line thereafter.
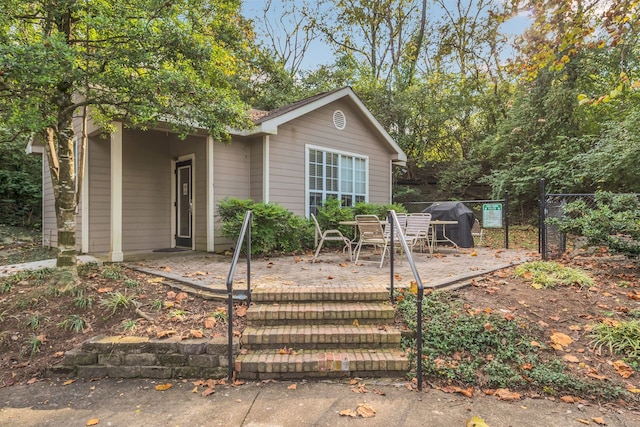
x,y
7,270
255,404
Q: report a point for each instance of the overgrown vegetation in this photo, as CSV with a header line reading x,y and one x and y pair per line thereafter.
x,y
481,348
614,221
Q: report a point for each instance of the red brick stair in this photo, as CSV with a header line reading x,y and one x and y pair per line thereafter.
x,y
296,332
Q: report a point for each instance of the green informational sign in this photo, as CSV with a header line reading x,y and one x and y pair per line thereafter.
x,y
492,215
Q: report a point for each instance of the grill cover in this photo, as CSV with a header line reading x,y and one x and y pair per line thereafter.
x,y
454,211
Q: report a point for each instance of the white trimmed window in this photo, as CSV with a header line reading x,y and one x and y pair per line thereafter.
x,y
335,175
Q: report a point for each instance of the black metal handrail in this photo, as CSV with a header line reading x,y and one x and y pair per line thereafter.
x,y
245,234
394,224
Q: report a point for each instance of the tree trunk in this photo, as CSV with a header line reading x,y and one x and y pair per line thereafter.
x,y
63,178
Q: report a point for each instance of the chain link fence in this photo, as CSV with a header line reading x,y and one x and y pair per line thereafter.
x,y
552,242
478,207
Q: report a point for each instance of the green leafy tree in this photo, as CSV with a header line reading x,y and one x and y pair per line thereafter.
x,y
614,222
137,61
20,185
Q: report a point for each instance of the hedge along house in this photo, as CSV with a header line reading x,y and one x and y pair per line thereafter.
x,y
150,190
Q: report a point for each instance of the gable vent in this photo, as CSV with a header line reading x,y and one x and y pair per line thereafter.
x,y
339,119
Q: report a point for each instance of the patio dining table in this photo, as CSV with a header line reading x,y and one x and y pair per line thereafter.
x,y
434,236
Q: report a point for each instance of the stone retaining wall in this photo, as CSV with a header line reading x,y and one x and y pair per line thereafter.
x,y
138,357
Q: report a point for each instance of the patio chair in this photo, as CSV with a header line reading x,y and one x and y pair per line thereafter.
x,y
402,219
477,231
329,236
418,230
371,233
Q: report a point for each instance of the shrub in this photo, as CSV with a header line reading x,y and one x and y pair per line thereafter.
x,y
274,229
380,211
613,222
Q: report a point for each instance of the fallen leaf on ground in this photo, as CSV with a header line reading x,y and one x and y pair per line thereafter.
x,y
360,389
209,322
468,392
348,413
561,339
477,422
163,387
104,290
292,387
571,358
366,411
569,399
241,311
208,391
67,382
599,420
195,333
632,389
506,394
580,420
93,421
623,369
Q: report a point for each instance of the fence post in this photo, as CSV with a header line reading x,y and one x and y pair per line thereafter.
x,y
506,219
542,230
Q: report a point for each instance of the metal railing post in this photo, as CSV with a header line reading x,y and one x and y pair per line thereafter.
x,y
246,226
393,221
506,219
390,221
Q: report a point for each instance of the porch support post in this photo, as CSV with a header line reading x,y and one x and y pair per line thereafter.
x,y
265,169
210,200
115,253
84,200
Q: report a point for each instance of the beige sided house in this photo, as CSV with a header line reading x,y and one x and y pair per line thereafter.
x,y
150,190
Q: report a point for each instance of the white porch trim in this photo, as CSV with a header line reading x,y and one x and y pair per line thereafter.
x,y
265,169
210,199
115,253
84,200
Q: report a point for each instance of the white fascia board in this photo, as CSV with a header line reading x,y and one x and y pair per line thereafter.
x,y
34,147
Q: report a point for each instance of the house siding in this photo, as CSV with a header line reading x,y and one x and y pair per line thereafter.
x,y
146,201
257,170
99,165
231,178
287,154
49,222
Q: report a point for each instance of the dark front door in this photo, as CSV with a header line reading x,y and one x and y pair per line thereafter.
x,y
184,204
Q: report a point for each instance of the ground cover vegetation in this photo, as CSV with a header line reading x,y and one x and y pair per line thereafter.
x,y
542,329
39,322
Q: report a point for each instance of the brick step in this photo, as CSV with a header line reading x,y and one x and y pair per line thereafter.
x,y
270,364
287,293
320,313
320,336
